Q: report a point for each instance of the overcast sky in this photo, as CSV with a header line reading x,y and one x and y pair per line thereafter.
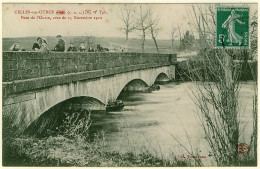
x,y
14,26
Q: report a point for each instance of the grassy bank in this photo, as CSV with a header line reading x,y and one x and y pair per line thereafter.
x,y
62,151
70,145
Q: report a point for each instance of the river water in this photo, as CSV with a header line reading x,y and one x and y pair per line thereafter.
x,y
164,122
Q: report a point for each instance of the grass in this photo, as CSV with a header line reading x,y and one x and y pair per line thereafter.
x,y
72,146
62,151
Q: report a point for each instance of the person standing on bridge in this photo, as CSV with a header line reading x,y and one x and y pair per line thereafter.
x,y
60,47
82,47
36,45
16,47
72,48
43,45
91,49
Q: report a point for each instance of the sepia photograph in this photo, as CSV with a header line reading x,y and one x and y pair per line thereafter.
x,y
129,84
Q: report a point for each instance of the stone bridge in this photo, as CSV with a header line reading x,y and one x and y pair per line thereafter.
x,y
35,82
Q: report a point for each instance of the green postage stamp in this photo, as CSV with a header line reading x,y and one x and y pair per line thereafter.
x,y
232,27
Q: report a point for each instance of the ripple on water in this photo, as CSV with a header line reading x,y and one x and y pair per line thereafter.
x,y
160,120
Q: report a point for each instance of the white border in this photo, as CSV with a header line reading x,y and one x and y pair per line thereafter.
x,y
121,1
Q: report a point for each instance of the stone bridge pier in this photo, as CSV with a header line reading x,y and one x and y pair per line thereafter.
x,y
35,82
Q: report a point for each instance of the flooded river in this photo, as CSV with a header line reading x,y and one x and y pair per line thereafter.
x,y
165,121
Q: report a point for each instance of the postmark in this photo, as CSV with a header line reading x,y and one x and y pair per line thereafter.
x,y
232,27
242,148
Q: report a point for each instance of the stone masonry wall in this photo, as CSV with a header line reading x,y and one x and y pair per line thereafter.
x,y
23,71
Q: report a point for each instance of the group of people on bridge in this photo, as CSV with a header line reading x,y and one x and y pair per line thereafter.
x,y
41,45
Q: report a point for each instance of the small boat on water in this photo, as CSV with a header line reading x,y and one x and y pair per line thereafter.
x,y
116,105
154,87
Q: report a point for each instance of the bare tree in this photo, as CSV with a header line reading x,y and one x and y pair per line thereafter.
x,y
173,31
179,34
153,22
216,76
142,22
127,12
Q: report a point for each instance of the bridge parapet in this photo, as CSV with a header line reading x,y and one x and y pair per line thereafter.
x,y
28,65
25,71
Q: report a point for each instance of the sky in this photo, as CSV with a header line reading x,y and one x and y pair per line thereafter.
x,y
16,24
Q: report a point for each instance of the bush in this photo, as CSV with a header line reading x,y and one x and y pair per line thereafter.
x,y
76,125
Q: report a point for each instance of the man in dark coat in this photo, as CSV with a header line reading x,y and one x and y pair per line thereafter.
x,y
60,47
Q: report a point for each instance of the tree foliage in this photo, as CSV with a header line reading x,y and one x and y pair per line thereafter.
x,y
187,41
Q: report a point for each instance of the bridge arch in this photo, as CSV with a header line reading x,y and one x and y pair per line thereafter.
x,y
53,117
80,102
162,77
134,85
104,89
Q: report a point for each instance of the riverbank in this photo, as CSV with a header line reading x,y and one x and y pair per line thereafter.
x,y
62,151
69,142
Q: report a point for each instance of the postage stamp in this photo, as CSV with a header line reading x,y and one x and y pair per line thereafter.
x,y
232,27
